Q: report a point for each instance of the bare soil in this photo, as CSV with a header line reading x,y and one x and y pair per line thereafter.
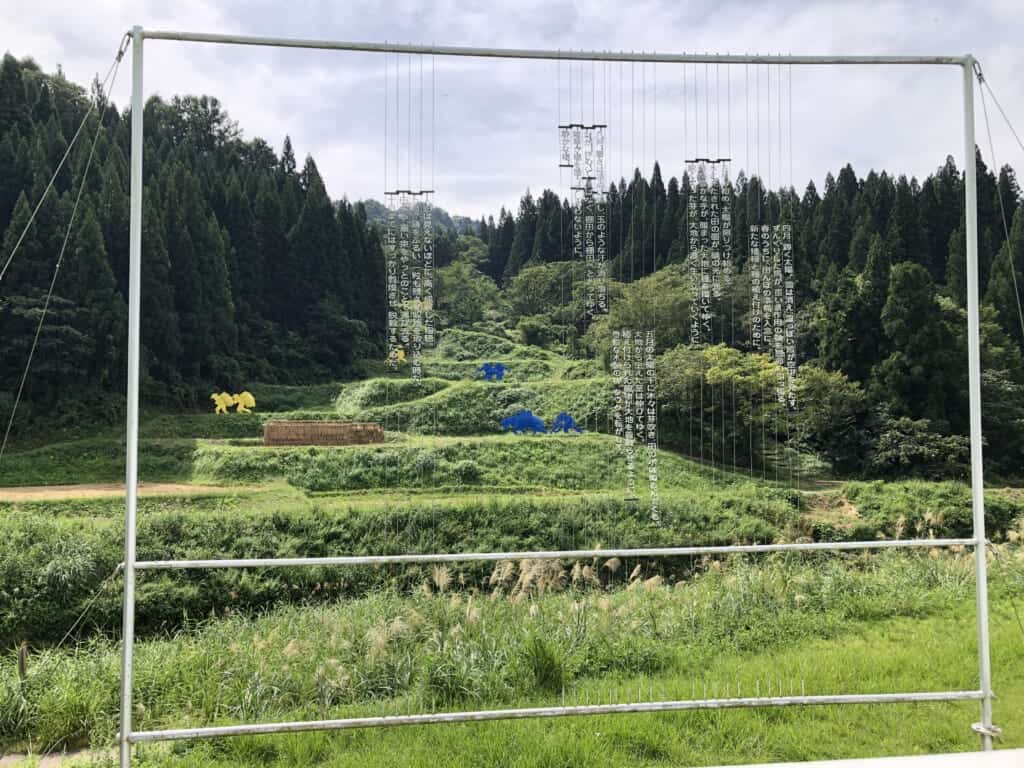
x,y
100,490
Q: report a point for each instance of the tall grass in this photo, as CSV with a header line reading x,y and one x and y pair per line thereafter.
x,y
54,555
436,649
558,462
35,549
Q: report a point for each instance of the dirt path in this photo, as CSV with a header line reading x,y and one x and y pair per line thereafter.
x,y
102,490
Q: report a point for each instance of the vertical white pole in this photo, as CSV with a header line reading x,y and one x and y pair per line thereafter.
x,y
132,444
974,391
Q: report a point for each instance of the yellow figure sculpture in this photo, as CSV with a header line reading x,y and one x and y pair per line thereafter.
x,y
222,401
396,356
245,401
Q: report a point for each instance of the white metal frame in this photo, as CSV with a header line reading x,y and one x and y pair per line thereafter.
x,y
984,694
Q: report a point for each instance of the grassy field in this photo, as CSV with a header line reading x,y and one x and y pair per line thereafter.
x,y
231,646
819,625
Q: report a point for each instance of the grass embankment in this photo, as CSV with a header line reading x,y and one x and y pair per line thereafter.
x,y
294,643
181,447
818,624
54,555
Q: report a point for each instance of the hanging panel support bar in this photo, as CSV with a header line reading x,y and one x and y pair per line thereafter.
x,y
569,554
528,53
544,712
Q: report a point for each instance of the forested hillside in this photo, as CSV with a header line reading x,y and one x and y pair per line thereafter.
x,y
253,272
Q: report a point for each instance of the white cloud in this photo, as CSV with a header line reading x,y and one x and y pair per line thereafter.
x,y
496,119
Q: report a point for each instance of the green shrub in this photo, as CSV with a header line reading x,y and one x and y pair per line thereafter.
x,y
456,344
357,397
909,448
919,508
545,662
466,471
51,566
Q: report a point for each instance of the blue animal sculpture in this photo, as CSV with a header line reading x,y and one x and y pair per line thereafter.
x,y
493,371
522,422
565,423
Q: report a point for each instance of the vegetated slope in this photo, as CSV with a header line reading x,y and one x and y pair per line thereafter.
x,y
418,492
454,401
55,555
553,633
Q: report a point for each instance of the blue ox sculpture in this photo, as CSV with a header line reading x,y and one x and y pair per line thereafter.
x,y
523,421
493,371
565,423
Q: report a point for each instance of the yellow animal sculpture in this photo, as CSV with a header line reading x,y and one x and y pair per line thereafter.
x,y
245,401
396,356
222,401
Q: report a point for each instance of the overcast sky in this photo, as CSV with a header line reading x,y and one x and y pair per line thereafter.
x,y
495,121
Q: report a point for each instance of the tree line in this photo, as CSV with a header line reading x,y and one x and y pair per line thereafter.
x,y
253,273
250,270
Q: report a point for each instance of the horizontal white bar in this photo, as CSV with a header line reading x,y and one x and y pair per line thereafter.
x,y
537,712
526,53
570,554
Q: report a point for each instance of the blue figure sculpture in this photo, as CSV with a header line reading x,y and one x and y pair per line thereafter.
x,y
493,371
523,421
565,423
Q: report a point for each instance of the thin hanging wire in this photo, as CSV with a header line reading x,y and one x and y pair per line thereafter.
x,y
111,73
689,247
779,271
433,118
634,212
746,235
388,202
654,225
397,122
579,287
1002,211
573,193
732,249
707,110
718,195
760,298
632,171
88,606
700,378
408,122
652,459
686,117
644,185
561,190
773,250
985,86
794,465
792,179
421,124
100,98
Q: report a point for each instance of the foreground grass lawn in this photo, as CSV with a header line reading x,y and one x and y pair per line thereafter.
x,y
899,654
823,626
